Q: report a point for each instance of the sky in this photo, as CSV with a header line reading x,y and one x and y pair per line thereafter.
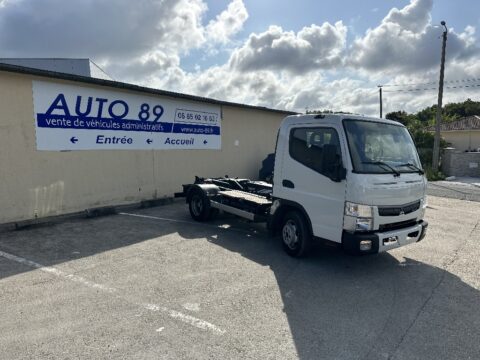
x,y
293,55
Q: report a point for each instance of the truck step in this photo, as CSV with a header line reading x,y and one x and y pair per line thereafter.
x,y
237,194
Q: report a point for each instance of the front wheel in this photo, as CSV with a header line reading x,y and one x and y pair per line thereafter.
x,y
296,237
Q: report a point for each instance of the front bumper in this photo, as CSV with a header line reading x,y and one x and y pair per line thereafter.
x,y
384,241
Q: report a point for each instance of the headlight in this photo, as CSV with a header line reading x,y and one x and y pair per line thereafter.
x,y
357,210
358,217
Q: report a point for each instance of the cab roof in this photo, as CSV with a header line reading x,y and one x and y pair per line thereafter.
x,y
333,118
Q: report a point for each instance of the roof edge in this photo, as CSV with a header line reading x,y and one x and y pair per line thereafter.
x,y
126,86
452,125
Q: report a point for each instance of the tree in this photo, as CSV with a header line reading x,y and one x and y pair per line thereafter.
x,y
401,117
458,110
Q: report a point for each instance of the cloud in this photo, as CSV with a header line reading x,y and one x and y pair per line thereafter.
x,y
113,32
282,91
413,17
227,23
288,70
406,40
144,69
98,28
313,47
137,41
147,42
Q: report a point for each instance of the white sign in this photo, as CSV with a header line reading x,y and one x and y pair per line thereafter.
x,y
473,165
71,117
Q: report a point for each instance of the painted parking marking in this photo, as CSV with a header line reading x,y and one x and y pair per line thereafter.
x,y
192,307
221,227
187,319
56,272
158,218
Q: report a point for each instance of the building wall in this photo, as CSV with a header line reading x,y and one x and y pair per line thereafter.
x,y
463,140
45,183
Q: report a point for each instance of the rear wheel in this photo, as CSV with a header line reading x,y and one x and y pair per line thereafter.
x,y
296,237
199,206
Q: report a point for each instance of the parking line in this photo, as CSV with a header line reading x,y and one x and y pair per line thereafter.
x,y
187,319
159,218
56,272
229,228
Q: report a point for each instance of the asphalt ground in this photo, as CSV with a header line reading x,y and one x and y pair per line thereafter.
x,y
153,284
455,190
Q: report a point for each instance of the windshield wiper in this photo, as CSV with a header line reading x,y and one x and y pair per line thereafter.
x,y
413,166
384,164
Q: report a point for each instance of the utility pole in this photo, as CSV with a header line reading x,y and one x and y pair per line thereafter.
x,y
381,101
438,120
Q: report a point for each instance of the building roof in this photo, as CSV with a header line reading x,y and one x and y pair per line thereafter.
x,y
466,123
127,86
82,67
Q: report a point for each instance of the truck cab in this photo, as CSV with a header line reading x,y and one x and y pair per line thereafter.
x,y
353,180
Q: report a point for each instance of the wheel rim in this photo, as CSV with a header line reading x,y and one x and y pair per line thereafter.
x,y
290,234
197,205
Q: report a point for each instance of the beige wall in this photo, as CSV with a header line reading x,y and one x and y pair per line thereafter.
x,y
461,140
44,183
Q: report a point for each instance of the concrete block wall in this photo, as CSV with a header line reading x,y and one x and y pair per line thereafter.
x,y
458,163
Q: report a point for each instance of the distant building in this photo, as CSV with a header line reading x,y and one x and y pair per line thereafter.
x,y
462,134
82,67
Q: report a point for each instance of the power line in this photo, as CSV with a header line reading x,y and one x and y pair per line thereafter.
x,y
432,83
415,84
434,88
462,80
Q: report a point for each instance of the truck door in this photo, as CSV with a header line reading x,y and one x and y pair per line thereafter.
x,y
305,182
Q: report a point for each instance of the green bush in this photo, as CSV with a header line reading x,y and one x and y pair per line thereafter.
x,y
425,155
424,142
432,175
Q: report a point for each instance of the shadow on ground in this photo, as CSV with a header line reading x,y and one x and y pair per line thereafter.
x,y
370,307
337,306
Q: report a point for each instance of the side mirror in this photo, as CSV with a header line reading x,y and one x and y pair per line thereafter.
x,y
332,164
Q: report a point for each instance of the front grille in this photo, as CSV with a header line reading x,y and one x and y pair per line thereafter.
x,y
397,225
398,210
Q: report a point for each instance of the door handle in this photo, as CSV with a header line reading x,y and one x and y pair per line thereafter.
x,y
288,184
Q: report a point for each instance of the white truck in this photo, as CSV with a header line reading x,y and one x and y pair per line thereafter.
x,y
351,180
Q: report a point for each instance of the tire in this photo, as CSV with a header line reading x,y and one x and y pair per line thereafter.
x,y
296,238
199,206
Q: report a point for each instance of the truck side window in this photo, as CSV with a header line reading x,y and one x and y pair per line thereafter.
x,y
306,146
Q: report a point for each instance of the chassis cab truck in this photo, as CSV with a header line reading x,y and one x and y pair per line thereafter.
x,y
352,180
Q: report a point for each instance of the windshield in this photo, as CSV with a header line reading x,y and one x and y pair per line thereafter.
x,y
381,148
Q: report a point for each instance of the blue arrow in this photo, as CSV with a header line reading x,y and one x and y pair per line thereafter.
x,y
73,139
149,141
204,142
